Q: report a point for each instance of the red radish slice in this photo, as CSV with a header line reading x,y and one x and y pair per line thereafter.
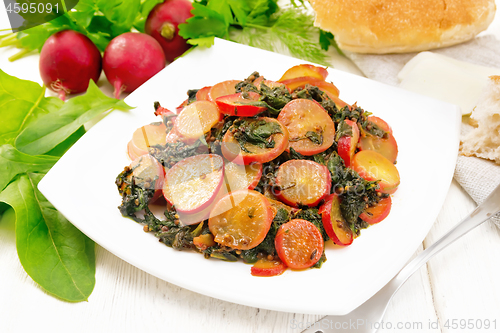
x,y
193,183
240,104
347,144
299,244
197,119
300,82
264,267
303,182
232,150
319,73
145,137
241,177
334,223
311,129
388,147
223,88
380,123
373,166
377,213
241,219
202,94
146,169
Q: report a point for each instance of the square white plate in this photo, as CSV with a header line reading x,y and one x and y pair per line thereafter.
x,y
81,186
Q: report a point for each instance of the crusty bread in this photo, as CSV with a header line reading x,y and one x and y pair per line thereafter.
x,y
397,26
484,140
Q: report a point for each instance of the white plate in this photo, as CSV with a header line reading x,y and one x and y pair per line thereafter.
x,y
81,186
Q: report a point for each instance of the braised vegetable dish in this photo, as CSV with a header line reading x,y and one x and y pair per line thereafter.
x,y
261,171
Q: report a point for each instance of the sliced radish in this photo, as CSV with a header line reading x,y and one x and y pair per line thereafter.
x,y
202,94
319,73
197,119
193,183
232,151
334,223
303,182
145,137
241,177
299,244
300,82
241,104
347,143
223,88
374,166
377,213
146,169
264,267
241,219
311,129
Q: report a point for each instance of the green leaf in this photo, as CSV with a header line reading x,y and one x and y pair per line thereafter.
x,y
21,102
204,23
13,163
34,38
261,11
50,130
222,7
54,253
203,41
240,10
325,39
121,14
146,7
84,11
63,147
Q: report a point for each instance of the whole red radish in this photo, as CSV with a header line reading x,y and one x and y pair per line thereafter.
x,y
68,61
130,60
162,24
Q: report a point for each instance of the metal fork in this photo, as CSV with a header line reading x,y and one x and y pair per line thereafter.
x,y
367,317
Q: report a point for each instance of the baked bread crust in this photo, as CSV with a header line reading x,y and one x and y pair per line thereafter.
x,y
397,26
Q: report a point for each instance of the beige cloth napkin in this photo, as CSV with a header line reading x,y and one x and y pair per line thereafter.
x,y
477,176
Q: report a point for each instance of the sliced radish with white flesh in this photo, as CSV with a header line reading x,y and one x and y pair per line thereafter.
x,y
223,88
192,184
146,169
145,137
197,119
241,177
303,182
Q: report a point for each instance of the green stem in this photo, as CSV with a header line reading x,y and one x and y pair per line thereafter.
x,y
63,3
256,26
19,55
2,30
9,42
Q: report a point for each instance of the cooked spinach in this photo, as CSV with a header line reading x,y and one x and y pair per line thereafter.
x,y
255,132
315,137
312,215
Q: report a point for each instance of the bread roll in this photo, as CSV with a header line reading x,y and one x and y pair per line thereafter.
x,y
397,26
484,140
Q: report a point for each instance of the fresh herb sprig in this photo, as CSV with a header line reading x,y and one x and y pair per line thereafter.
x,y
52,251
258,23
